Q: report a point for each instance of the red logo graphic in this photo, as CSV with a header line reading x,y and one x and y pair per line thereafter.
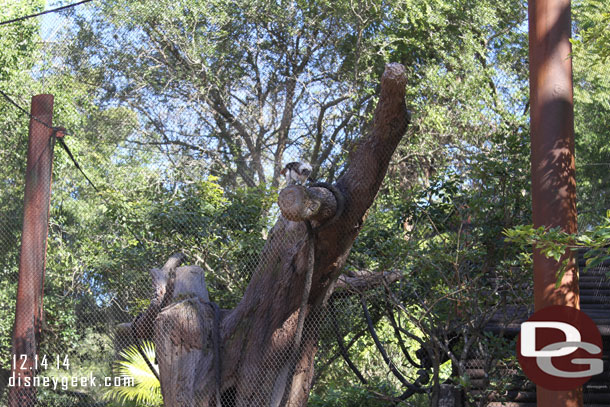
x,y
560,348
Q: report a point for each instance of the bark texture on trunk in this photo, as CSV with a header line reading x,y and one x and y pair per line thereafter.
x,y
256,338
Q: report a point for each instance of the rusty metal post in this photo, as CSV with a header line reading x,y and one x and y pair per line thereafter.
x,y
32,260
552,157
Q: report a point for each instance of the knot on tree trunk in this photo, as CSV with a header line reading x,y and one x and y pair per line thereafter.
x,y
298,203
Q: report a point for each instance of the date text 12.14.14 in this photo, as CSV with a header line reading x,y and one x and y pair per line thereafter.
x,y
42,362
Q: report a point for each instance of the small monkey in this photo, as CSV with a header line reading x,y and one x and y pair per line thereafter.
x,y
296,173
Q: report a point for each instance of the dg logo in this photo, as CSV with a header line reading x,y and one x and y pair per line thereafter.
x,y
560,348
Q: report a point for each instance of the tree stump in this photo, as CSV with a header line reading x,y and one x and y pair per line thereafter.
x,y
256,337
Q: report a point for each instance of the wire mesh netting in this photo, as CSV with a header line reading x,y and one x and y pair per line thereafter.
x,y
188,265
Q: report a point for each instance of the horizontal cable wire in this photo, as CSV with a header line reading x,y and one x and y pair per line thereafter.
x,y
14,20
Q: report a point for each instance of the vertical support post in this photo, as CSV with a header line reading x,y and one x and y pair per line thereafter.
x,y
552,158
32,260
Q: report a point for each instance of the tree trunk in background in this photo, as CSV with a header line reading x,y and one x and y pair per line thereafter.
x,y
256,337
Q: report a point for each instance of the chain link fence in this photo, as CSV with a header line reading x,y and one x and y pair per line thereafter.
x,y
164,155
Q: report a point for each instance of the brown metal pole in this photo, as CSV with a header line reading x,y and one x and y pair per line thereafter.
x,y
552,159
32,261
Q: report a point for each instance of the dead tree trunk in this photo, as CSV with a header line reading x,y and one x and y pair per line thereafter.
x,y
256,338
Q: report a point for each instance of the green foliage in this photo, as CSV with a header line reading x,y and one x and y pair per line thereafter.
x,y
353,396
18,41
20,44
446,238
593,30
551,242
88,358
592,110
554,244
146,390
337,386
